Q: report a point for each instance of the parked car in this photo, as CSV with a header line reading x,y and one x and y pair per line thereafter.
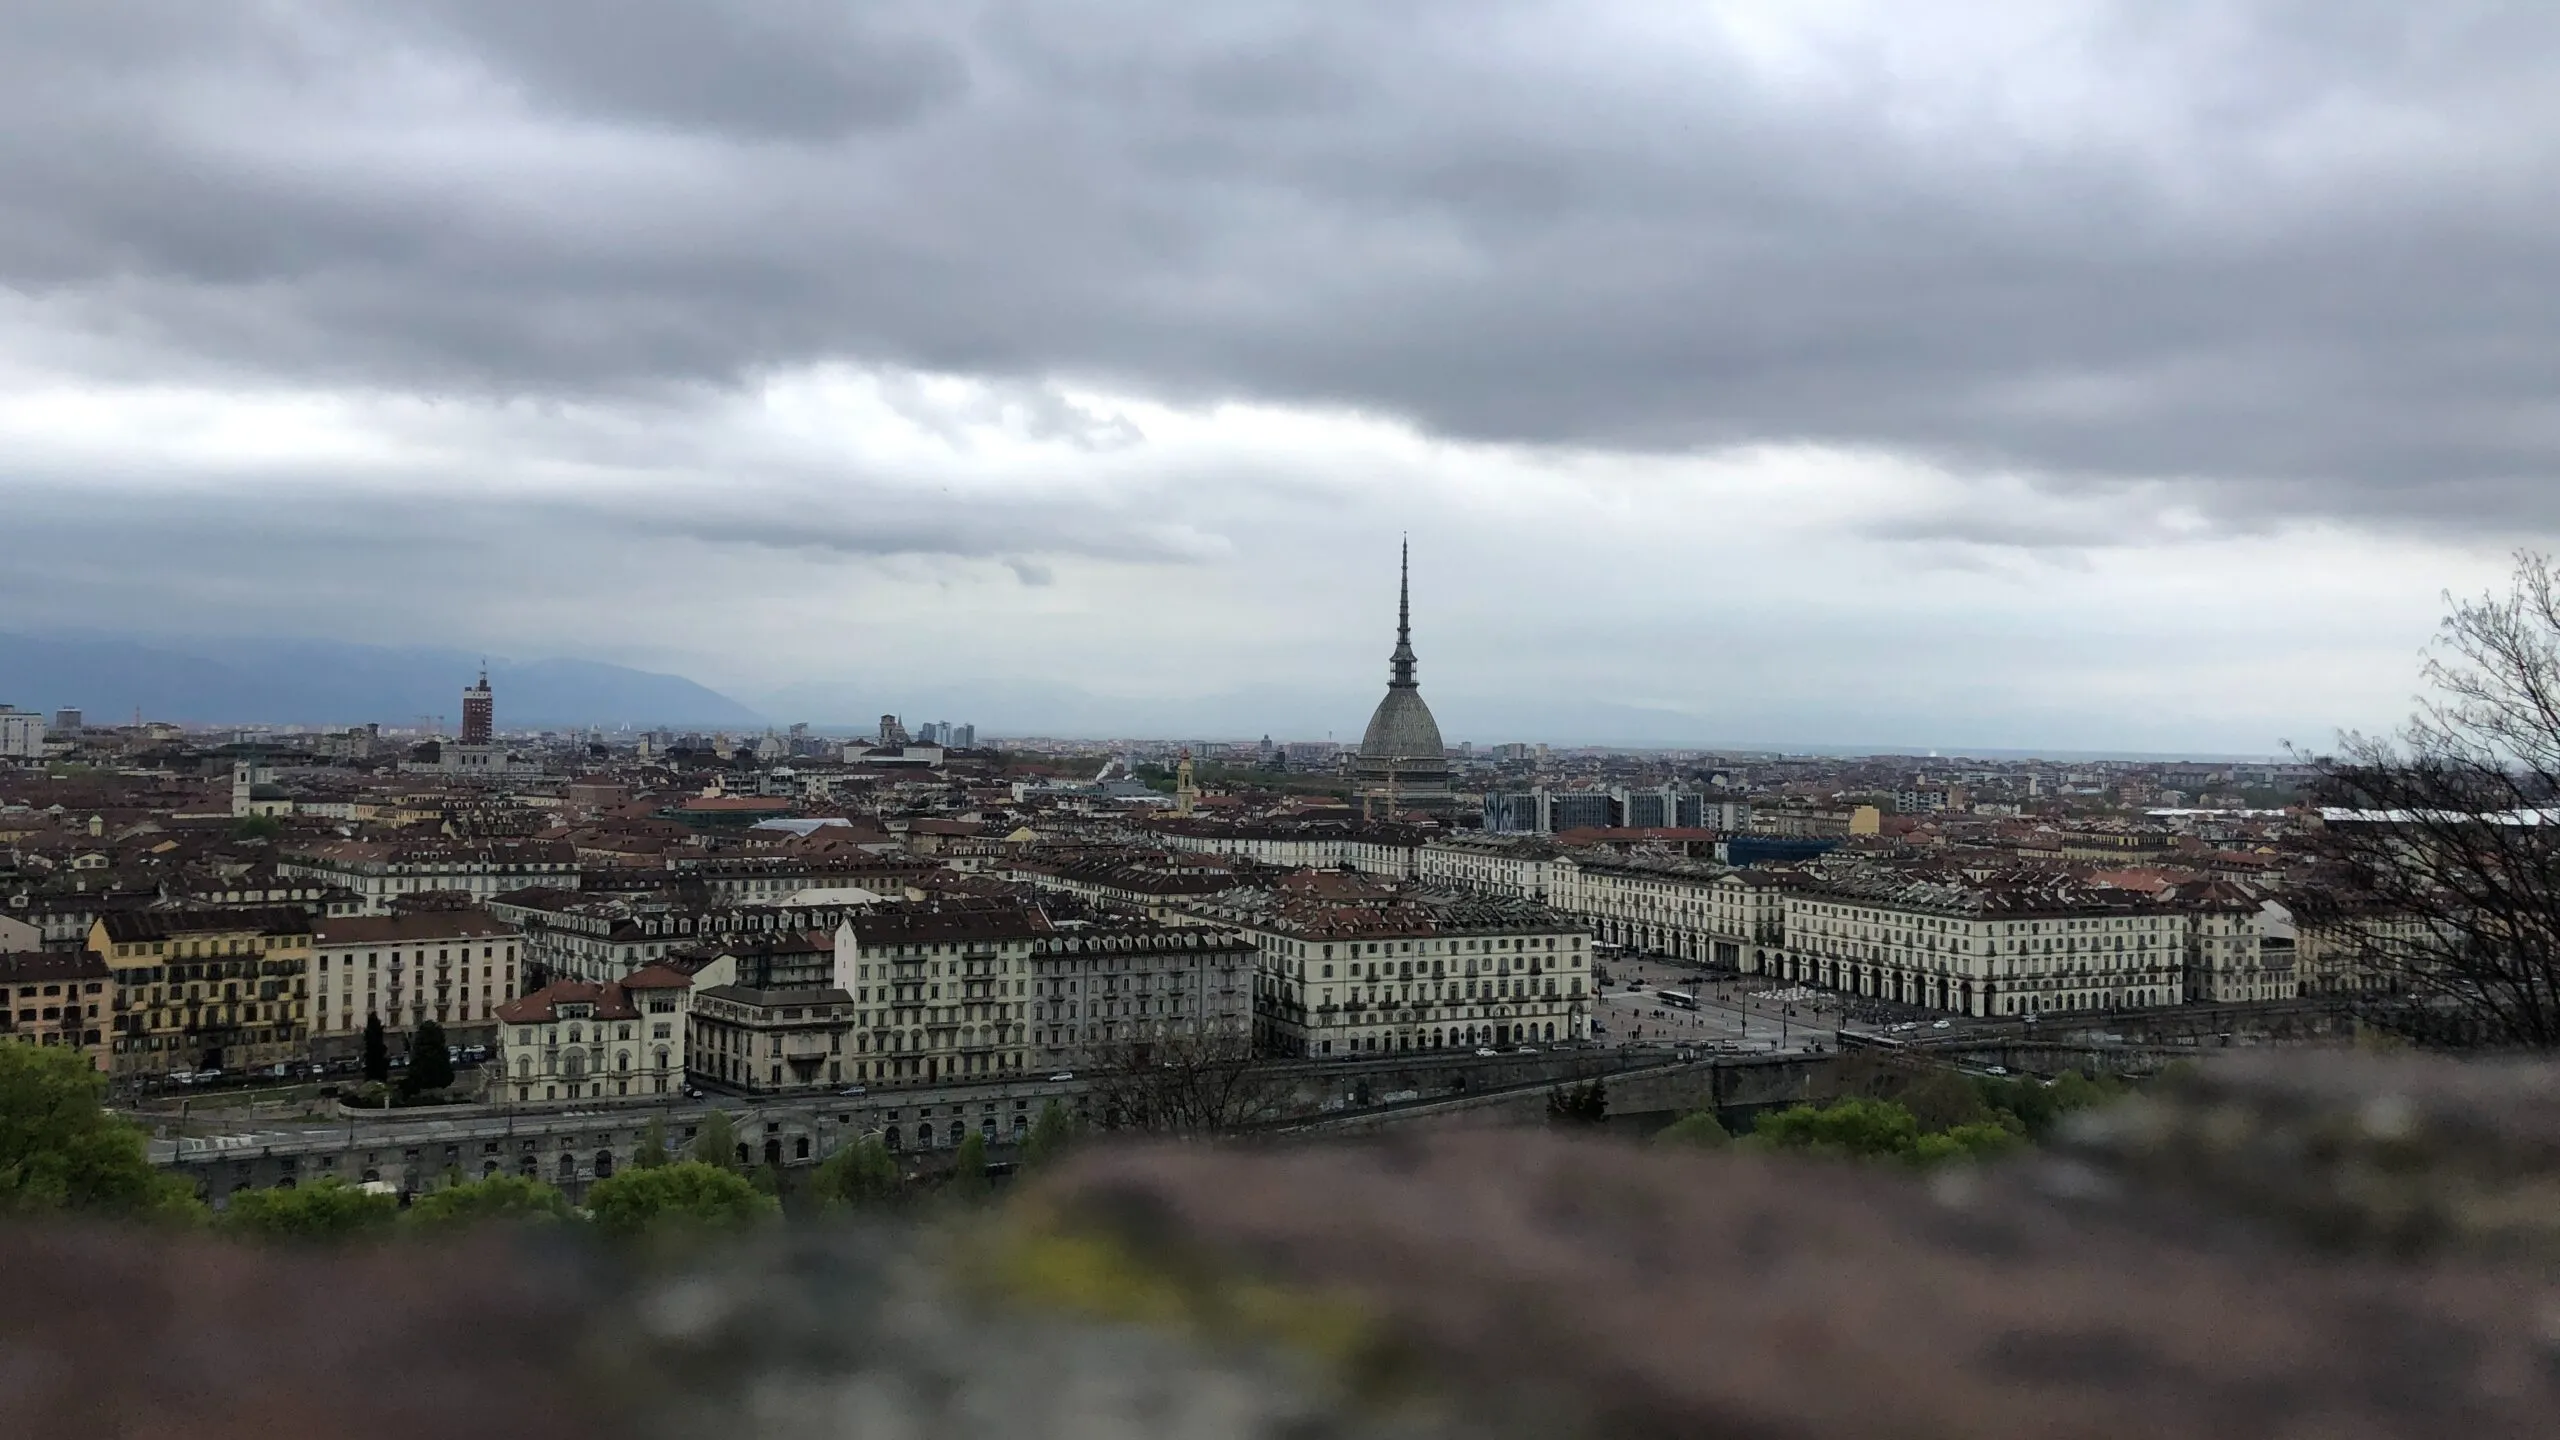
x,y
1064,1075
1487,1050
854,1090
182,1077
1941,1025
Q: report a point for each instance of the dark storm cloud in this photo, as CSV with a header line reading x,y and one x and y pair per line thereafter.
x,y
793,69
2297,257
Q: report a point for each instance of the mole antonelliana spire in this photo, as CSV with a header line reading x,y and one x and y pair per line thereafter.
x,y
1402,764
1400,665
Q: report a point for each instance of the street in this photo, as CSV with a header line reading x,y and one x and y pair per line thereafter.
x,y
1743,1013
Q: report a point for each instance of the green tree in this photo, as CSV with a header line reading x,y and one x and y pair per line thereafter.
x,y
2075,1091
328,1209
686,1197
1697,1130
377,1051
430,1065
1583,1104
1050,1136
862,1175
518,1198
1857,1128
257,827
1942,1100
968,1169
1981,1140
61,1150
653,1144
715,1141
2027,1104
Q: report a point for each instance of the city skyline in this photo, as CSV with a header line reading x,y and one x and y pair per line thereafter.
x,y
2104,378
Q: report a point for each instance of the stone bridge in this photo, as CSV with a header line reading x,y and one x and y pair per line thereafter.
x,y
1645,1097
2137,1043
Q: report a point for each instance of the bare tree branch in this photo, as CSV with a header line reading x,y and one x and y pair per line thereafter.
x,y
2442,845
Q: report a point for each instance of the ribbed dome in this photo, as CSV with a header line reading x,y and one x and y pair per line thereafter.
x,y
1401,728
1401,756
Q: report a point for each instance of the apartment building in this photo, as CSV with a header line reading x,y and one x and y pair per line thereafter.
x,y
1424,970
21,734
204,989
1102,990
599,936
378,871
941,989
579,1040
1693,909
731,880
1485,865
2345,949
2030,945
2239,949
768,1018
456,967
56,997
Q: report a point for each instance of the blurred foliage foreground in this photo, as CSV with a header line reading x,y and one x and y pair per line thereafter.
x,y
2301,1244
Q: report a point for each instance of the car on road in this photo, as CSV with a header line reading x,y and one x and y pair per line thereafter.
x,y
1526,1050
1941,1024
1995,1069
1064,1075
182,1077
1487,1050
854,1090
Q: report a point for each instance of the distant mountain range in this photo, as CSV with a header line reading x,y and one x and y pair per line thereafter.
x,y
325,682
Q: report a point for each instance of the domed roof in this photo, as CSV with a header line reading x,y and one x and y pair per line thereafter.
x,y
1402,748
1401,728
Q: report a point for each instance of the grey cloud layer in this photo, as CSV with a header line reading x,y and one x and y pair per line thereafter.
x,y
2302,255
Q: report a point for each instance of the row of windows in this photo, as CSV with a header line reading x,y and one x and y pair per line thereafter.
x,y
232,945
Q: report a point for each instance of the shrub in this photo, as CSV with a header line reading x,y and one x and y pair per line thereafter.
x,y
691,1196
1697,1130
329,1209
516,1198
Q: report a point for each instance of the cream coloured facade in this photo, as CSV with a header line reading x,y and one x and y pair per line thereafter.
x,y
578,1040
2356,954
941,990
1987,950
454,966
2231,959
1485,867
1100,988
1694,910
1402,978
378,872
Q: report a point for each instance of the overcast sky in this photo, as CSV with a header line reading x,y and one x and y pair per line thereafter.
x,y
2078,375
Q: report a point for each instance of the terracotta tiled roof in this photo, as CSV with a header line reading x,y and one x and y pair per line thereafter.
x,y
542,1006
419,925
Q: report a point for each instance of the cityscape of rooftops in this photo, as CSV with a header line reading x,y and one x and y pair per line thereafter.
x,y
1475,717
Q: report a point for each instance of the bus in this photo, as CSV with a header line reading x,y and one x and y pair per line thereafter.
x,y
1677,999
